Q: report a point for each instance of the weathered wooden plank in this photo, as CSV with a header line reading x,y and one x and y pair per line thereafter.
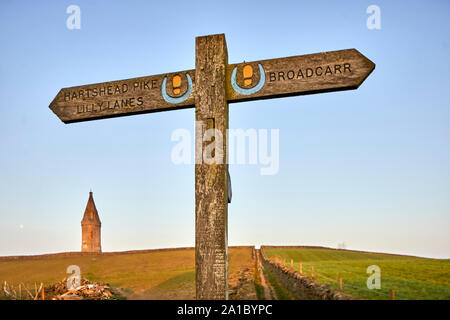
x,y
211,205
299,75
125,97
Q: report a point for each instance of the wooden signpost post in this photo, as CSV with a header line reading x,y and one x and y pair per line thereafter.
x,y
209,88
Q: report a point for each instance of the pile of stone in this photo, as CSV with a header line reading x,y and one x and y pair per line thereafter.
x,y
87,290
241,284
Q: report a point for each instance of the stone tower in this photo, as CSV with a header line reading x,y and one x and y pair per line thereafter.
x,y
90,228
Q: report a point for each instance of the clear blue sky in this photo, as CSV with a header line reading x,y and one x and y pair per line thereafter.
x,y
370,167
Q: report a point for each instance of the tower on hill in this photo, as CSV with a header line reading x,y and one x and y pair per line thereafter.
x,y
90,228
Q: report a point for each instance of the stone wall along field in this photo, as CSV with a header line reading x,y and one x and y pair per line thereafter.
x,y
301,286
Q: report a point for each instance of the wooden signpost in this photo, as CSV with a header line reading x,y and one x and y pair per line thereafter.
x,y
209,88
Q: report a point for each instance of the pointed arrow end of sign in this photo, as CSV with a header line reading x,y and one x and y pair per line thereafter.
x,y
369,62
368,65
56,109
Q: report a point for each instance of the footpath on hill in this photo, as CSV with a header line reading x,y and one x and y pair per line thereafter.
x,y
272,288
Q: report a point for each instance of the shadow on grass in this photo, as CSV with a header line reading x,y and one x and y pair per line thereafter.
x,y
281,292
180,287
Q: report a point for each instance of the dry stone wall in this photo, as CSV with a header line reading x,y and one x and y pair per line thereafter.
x,y
301,286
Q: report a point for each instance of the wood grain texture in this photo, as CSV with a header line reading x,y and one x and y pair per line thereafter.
x,y
211,205
119,98
305,74
299,75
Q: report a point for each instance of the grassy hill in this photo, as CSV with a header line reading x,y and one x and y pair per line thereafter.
x,y
410,277
150,274
170,273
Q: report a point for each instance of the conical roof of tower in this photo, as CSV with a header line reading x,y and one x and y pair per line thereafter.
x,y
90,214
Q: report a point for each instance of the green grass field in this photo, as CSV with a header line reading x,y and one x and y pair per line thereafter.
x,y
410,277
153,275
170,274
